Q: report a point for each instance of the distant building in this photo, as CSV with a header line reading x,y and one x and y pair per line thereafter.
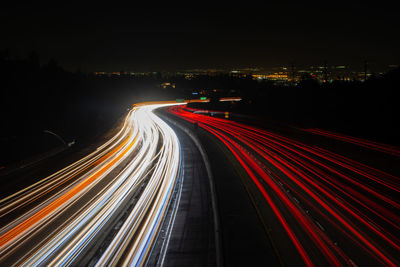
x,y
166,85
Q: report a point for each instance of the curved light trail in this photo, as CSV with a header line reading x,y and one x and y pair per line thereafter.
x,y
333,210
126,184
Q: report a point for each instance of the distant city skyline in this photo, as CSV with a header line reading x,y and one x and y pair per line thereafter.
x,y
286,76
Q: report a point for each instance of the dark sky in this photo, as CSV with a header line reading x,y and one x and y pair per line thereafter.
x,y
96,37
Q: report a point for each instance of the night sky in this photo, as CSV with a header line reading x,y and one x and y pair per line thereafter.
x,y
114,38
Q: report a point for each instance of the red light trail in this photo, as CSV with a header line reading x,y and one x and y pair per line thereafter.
x,y
307,187
358,141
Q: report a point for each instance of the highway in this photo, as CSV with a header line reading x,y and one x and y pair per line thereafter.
x,y
105,209
321,208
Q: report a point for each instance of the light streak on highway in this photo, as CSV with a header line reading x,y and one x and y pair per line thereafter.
x,y
333,210
358,141
230,99
57,220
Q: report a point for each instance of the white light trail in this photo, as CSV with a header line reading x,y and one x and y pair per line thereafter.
x,y
148,152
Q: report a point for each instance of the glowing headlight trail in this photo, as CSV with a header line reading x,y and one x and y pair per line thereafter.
x,y
32,222
138,231
155,151
46,185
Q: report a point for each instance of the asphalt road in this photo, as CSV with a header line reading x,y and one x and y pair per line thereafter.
x,y
191,240
244,240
